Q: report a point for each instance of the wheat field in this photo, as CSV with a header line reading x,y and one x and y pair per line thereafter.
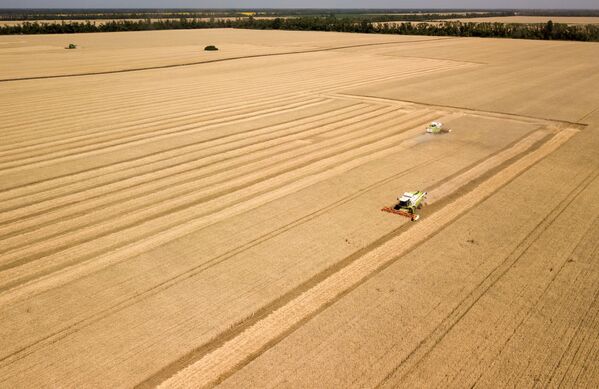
x,y
177,218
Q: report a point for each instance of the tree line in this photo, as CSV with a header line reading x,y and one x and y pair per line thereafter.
x,y
546,31
389,14
91,14
374,15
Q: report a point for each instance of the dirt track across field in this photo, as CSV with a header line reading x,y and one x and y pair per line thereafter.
x,y
220,224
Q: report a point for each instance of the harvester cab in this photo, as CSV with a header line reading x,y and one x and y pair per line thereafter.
x,y
407,204
437,128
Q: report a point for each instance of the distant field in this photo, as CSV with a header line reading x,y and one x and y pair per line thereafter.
x,y
45,55
509,19
428,13
535,19
103,21
186,219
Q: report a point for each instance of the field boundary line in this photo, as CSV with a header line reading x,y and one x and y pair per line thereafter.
x,y
435,59
589,114
472,111
259,337
214,61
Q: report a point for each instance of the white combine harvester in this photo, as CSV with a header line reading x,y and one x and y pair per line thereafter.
x,y
407,204
437,128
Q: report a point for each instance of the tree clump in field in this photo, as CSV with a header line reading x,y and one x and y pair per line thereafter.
x,y
210,48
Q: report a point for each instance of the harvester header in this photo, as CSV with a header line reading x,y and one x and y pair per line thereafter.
x,y
407,204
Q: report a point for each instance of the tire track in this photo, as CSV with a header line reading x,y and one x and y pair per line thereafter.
x,y
588,321
583,246
255,339
506,324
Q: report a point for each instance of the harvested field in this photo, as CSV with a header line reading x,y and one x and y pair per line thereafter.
x,y
170,221
572,20
44,55
534,19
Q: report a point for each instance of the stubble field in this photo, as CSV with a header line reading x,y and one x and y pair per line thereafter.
x,y
186,219
535,19
570,20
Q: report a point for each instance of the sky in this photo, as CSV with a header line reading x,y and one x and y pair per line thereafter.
x,y
544,4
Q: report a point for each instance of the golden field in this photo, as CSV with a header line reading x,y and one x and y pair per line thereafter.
x,y
179,218
534,19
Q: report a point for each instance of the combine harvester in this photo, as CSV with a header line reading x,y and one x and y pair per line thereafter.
x,y
437,128
407,205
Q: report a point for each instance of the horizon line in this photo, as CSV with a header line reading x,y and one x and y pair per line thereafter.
x,y
304,8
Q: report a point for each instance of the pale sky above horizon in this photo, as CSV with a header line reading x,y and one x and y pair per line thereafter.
x,y
525,4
